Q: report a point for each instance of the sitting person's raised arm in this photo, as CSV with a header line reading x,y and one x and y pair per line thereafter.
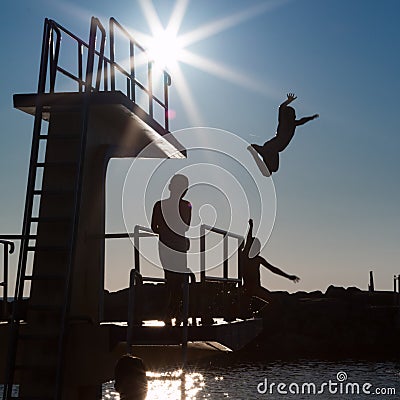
x,y
249,238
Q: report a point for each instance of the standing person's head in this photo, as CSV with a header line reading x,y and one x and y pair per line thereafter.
x,y
130,378
178,185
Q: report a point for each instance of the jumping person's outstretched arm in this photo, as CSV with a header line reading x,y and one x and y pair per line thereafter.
x,y
278,271
303,120
290,97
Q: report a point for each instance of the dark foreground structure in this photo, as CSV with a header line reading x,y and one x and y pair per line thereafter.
x,y
338,324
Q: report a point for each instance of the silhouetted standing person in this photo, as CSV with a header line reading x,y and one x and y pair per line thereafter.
x,y
171,219
287,124
130,378
252,262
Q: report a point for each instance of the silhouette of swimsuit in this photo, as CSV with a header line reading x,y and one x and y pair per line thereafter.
x,y
269,156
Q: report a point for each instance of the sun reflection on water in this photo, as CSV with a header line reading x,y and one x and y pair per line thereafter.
x,y
172,385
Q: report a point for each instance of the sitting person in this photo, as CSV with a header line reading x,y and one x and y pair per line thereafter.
x,y
251,263
130,378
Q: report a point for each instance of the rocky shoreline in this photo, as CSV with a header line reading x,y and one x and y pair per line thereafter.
x,y
338,324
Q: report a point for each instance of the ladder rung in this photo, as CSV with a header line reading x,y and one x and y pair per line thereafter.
x,y
48,369
50,219
31,398
56,164
44,307
48,248
38,336
39,192
60,136
44,277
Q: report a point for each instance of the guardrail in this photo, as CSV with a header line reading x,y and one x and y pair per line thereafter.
x,y
97,78
8,249
203,277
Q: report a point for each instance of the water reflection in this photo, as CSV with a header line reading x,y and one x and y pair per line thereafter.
x,y
239,381
173,385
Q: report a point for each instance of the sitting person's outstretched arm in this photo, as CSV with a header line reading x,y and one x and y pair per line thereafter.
x,y
278,271
303,120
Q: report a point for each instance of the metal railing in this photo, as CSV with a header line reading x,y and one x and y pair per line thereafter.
x,y
97,78
132,83
8,249
136,278
226,235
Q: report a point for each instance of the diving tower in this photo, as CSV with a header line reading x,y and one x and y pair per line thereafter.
x,y
55,346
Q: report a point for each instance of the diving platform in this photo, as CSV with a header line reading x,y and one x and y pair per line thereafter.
x,y
128,124
230,336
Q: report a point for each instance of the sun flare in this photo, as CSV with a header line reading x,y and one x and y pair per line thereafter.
x,y
169,50
165,49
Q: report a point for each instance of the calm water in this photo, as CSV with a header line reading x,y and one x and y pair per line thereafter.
x,y
240,381
381,380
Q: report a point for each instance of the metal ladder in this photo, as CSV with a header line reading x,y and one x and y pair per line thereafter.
x,y
52,206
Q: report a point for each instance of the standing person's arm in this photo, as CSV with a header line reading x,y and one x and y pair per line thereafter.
x,y
155,218
186,215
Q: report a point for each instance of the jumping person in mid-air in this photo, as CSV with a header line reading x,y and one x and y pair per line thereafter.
x,y
287,123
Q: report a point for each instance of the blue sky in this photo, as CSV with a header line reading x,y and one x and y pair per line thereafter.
x,y
337,189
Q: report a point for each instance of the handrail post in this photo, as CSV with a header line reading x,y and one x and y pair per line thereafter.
x,y
132,67
95,23
90,57
54,54
185,317
136,248
80,66
202,254
398,289
8,249
167,82
112,54
131,309
225,255
101,55
150,89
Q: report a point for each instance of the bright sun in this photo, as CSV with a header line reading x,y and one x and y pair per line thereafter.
x,y
165,49
169,51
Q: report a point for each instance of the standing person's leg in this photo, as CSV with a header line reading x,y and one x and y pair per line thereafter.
x,y
166,262
174,264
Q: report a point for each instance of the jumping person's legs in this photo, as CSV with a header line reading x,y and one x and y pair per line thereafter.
x,y
269,155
